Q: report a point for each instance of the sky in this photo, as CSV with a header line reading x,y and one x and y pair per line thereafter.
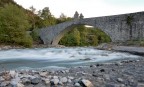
x,y
89,8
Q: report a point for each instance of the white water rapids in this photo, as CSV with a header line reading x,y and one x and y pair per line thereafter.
x,y
45,58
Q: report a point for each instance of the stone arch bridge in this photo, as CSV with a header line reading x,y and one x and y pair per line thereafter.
x,y
120,28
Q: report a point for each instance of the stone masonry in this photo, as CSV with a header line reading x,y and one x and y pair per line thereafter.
x,y
120,28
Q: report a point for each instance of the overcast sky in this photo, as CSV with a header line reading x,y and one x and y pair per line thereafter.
x,y
89,8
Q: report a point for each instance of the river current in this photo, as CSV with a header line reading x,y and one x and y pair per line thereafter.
x,y
57,58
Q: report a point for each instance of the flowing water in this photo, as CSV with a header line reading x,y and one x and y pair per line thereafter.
x,y
51,58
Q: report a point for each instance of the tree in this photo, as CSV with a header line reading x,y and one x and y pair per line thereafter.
x,y
48,18
63,18
81,16
39,13
13,26
32,17
76,15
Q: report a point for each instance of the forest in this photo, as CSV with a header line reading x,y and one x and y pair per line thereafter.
x,y
18,25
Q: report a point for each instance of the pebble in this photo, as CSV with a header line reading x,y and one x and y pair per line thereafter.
x,y
43,74
86,83
69,81
55,77
35,80
47,81
60,83
25,81
102,70
70,77
12,73
20,85
77,85
119,79
63,80
54,81
2,79
140,85
4,84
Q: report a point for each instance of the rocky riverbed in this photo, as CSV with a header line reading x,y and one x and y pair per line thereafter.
x,y
125,73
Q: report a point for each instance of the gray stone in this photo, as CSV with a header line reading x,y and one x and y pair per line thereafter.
x,y
20,85
63,80
14,83
109,85
106,76
47,81
86,83
69,81
54,81
12,73
43,74
55,77
40,85
60,83
67,71
70,77
119,79
4,84
77,85
35,80
140,85
1,79
25,81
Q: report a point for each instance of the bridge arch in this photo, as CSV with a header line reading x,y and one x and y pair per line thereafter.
x,y
69,28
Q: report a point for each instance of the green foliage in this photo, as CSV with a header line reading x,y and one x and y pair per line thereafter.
x,y
35,37
13,26
48,18
82,36
77,38
71,39
134,43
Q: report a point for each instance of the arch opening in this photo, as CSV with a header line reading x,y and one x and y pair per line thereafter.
x,y
81,35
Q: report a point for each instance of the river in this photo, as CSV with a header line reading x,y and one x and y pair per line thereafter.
x,y
56,58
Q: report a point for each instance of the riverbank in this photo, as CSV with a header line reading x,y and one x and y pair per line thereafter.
x,y
129,49
126,73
